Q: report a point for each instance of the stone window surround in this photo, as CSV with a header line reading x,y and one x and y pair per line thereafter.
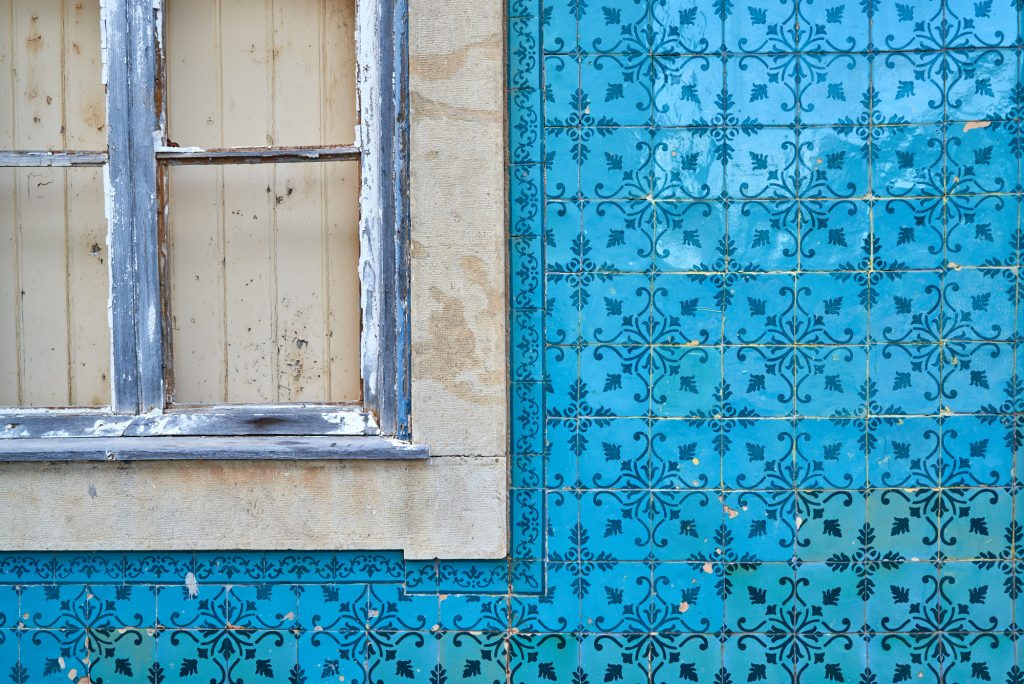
x,y
452,505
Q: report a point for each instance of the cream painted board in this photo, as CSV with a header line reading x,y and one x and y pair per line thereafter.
x,y
263,281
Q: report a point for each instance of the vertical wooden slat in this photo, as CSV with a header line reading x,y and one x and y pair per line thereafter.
x,y
248,202
195,212
340,191
301,315
85,128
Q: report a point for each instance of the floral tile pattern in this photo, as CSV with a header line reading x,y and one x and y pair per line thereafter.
x,y
766,406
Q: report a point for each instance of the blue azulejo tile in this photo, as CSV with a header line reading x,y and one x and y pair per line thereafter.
x,y
560,455
763,235
616,28
904,452
525,126
909,161
970,530
908,233
758,382
684,454
559,27
686,598
685,524
525,278
620,89
833,26
904,521
832,87
830,380
565,247
686,165
833,234
526,199
685,381
976,450
525,415
615,525
10,602
49,656
830,523
617,309
337,656
758,595
831,454
830,309
837,588
687,308
535,657
907,89
565,392
758,454
906,307
688,235
526,346
970,373
760,26
901,26
616,163
687,26
831,164
124,656
611,453
982,24
754,656
688,90
762,87
981,85
263,606
606,588
763,165
978,591
905,378
688,657
981,160
562,155
620,234
986,232
619,381
565,100
762,523
977,305
760,309
899,591
464,656
526,511
893,656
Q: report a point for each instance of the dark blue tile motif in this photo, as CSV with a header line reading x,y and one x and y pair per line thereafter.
x,y
765,405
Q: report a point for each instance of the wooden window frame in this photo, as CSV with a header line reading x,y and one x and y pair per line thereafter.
x,y
140,424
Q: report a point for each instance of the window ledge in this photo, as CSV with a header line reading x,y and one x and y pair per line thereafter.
x,y
209,448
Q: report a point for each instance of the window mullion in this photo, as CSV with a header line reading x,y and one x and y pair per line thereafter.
x,y
142,124
124,348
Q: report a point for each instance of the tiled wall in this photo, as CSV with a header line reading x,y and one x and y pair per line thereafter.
x,y
764,267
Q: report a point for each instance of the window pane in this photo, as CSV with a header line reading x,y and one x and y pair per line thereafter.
x,y
263,282
253,73
54,335
51,93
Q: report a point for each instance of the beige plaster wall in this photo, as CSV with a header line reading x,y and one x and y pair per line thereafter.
x,y
454,504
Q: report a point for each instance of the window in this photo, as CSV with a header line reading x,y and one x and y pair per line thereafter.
x,y
182,277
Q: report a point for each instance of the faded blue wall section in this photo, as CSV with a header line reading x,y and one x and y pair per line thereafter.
x,y
766,322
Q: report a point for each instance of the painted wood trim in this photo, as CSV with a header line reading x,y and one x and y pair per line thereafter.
x,y
38,158
209,448
222,421
142,34
381,48
255,155
124,353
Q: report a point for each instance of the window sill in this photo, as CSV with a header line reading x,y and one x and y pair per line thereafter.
x,y
209,448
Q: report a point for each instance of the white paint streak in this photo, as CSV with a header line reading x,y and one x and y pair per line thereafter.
x,y
191,585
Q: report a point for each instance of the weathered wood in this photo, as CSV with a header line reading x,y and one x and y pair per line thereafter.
x,y
256,155
142,125
124,373
208,448
214,421
33,158
384,270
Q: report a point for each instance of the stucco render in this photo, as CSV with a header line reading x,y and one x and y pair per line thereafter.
x,y
454,505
